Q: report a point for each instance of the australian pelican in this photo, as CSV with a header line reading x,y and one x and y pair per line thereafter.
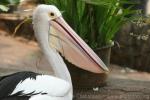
x,y
54,36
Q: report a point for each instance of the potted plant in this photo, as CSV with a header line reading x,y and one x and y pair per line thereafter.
x,y
97,22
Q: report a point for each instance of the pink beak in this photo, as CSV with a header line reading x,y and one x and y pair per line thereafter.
x,y
65,40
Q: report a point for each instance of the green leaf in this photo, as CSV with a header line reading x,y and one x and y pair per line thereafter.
x,y
96,21
14,2
7,2
4,8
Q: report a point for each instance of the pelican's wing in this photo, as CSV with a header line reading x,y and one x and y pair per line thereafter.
x,y
42,84
73,52
47,97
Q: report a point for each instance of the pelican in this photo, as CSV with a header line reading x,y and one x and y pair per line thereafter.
x,y
55,37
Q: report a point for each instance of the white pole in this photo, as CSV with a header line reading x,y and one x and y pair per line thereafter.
x,y
148,8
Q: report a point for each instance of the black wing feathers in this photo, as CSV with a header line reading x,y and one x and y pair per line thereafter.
x,y
9,83
16,98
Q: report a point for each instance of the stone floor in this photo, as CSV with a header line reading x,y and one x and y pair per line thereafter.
x,y
18,54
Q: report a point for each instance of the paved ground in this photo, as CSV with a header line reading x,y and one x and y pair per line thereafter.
x,y
18,54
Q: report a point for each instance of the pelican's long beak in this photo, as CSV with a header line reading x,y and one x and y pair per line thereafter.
x,y
65,40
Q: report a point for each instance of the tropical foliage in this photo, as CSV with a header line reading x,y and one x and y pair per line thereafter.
x,y
96,21
5,3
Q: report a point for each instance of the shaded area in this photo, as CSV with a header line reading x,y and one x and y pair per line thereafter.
x,y
134,51
117,89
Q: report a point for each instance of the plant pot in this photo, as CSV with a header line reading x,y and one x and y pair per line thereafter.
x,y
85,79
104,53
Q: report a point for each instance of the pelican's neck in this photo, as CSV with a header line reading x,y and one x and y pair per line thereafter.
x,y
55,60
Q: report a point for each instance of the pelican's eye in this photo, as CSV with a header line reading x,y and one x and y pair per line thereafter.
x,y
51,14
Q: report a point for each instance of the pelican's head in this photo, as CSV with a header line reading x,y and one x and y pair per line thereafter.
x,y
46,12
50,26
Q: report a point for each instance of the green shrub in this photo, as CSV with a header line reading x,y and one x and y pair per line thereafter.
x,y
5,3
96,21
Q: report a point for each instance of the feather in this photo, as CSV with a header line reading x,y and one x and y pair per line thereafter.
x,y
43,84
8,83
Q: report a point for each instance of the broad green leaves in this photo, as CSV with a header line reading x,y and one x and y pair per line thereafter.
x,y
4,4
4,8
96,21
